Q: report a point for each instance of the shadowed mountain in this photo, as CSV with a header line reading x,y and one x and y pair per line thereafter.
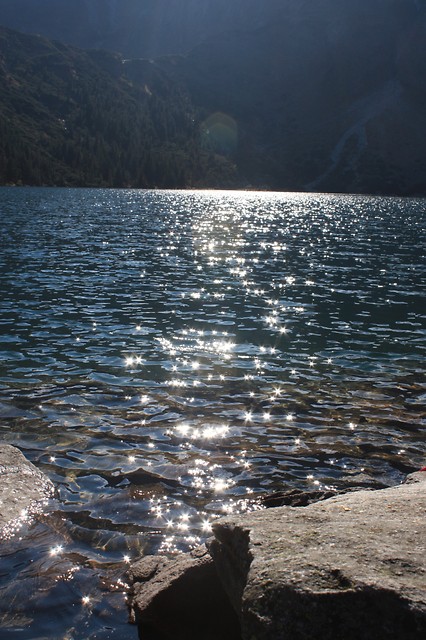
x,y
137,28
69,117
326,95
324,100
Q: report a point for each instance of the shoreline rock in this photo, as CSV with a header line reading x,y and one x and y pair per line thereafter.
x,y
24,491
181,598
351,566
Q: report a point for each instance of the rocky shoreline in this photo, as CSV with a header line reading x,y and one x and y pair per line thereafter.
x,y
351,566
314,566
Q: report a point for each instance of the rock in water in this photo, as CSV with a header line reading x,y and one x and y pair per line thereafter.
x,y
350,567
24,490
180,598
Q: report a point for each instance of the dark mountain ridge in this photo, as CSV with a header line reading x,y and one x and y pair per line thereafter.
x,y
70,117
326,100
326,95
137,28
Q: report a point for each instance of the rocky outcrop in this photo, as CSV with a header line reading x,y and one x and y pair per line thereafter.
x,y
24,490
181,598
351,566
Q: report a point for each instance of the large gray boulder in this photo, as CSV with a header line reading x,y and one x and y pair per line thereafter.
x,y
352,567
24,490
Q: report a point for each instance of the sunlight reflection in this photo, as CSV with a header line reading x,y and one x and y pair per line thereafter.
x,y
221,346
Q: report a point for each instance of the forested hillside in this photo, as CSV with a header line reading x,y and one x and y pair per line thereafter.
x,y
69,117
314,95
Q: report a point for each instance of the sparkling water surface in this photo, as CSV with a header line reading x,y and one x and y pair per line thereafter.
x,y
168,357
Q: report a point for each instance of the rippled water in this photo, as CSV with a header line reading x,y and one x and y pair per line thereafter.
x,y
167,357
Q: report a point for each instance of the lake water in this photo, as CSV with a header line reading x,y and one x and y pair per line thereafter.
x,y
167,357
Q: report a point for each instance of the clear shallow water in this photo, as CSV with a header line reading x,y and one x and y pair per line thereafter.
x,y
167,357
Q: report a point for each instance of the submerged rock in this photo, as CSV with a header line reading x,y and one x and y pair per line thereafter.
x,y
352,566
24,490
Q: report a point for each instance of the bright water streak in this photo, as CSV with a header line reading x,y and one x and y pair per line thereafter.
x,y
168,357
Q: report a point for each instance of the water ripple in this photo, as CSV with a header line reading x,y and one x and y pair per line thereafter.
x,y
169,357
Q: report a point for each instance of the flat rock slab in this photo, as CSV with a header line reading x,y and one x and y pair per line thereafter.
x,y
352,567
24,490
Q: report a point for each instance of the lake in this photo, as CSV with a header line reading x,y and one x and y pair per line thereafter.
x,y
168,357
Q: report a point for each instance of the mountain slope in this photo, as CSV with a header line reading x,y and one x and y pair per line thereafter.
x,y
137,28
326,95
331,99
70,117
